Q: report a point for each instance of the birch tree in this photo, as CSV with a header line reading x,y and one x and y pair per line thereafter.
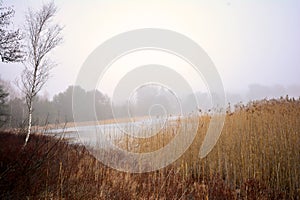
x,y
42,36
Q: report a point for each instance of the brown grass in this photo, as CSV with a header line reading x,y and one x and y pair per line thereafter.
x,y
256,157
85,123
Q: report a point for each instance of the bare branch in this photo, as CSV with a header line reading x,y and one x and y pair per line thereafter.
x,y
10,40
42,37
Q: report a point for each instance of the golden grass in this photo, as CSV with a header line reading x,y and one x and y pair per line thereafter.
x,y
256,157
259,141
85,123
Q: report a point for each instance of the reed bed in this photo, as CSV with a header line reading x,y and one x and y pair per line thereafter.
x,y
256,157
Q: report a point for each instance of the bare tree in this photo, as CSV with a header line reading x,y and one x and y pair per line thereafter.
x,y
10,40
42,36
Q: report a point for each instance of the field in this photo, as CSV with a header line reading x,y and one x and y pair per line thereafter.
x,y
256,157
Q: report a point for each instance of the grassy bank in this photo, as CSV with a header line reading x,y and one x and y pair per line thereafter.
x,y
256,157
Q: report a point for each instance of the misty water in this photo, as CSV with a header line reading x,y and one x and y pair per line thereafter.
x,y
104,135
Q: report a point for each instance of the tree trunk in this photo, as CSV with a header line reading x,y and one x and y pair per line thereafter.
x,y
42,37
29,123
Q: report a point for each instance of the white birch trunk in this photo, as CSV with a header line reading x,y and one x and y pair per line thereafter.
x,y
29,124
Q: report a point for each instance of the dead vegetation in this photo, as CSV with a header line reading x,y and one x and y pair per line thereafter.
x,y
256,157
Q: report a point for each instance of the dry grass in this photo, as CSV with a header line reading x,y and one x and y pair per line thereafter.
x,y
256,157
85,123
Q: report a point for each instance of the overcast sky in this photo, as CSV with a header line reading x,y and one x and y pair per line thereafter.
x,y
250,42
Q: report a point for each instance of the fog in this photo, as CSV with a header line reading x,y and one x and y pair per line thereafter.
x,y
254,46
250,42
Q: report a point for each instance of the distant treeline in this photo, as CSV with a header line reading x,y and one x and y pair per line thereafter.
x,y
59,109
13,109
